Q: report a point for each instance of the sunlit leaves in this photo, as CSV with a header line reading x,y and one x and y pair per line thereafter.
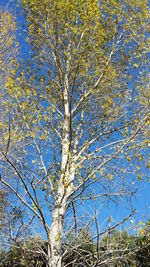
x,y
8,45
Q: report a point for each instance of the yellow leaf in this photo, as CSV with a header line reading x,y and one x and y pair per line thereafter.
x,y
128,158
147,122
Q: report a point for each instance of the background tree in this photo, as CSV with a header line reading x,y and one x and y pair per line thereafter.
x,y
76,120
116,248
24,253
8,55
143,255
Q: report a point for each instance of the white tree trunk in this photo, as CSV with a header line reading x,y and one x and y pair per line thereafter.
x,y
55,238
56,230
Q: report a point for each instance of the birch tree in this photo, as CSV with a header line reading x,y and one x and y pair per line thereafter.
x,y
78,124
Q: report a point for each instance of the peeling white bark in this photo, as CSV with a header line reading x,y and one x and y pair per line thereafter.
x,y
56,230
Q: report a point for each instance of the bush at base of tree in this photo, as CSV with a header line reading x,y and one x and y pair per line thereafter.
x,y
116,249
